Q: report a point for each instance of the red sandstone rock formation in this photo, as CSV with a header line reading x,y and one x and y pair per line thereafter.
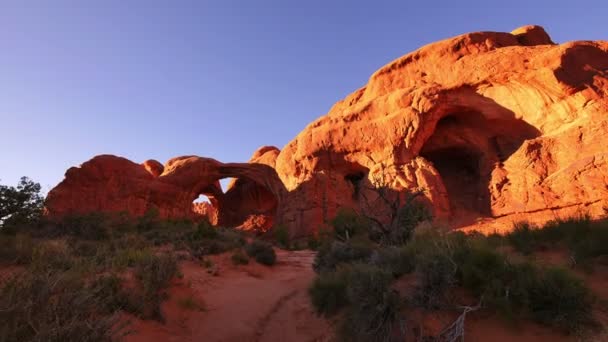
x,y
113,184
489,124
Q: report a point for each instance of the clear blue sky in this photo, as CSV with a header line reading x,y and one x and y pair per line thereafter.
x,y
158,79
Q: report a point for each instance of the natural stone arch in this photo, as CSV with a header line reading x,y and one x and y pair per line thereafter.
x,y
112,184
465,147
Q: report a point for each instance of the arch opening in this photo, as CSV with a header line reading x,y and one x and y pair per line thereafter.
x,y
465,148
245,204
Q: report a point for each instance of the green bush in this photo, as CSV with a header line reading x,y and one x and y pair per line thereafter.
x,y
239,258
330,255
374,306
348,223
205,230
408,218
561,300
584,238
281,236
523,238
92,226
328,292
436,274
262,252
550,296
399,260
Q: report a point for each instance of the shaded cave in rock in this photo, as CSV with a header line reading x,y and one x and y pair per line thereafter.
x,y
465,183
465,148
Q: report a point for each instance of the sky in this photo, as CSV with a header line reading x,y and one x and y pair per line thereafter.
x,y
158,79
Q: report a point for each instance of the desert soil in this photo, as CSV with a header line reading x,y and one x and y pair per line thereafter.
x,y
240,303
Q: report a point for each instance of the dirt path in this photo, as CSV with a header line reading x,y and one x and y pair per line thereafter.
x,y
242,303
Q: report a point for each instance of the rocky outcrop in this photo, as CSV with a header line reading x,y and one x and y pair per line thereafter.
x,y
113,184
489,124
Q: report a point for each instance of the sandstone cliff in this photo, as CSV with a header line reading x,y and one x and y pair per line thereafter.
x,y
489,124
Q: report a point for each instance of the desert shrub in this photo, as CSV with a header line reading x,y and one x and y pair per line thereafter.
x,y
108,291
204,230
330,255
16,249
130,240
584,238
408,218
239,258
149,221
281,236
589,241
478,266
313,243
561,300
223,240
53,307
154,274
398,260
92,226
374,306
83,248
328,292
435,272
523,238
550,296
51,256
348,223
262,252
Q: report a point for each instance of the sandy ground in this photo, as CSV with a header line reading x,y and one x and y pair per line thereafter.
x,y
259,303
241,303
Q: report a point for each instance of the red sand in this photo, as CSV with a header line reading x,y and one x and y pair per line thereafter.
x,y
242,303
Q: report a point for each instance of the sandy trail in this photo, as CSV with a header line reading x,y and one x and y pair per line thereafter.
x,y
242,303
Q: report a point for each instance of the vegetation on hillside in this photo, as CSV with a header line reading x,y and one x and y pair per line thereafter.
x,y
358,273
69,279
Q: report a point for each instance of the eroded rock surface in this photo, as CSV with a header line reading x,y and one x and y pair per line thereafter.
x,y
489,124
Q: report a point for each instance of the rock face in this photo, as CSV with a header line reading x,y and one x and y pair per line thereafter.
x,y
112,184
489,124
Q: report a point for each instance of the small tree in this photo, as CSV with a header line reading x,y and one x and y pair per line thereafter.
x,y
405,212
20,205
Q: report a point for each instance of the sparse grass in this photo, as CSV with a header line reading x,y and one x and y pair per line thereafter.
x,y
154,274
190,303
130,257
262,252
54,307
16,249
